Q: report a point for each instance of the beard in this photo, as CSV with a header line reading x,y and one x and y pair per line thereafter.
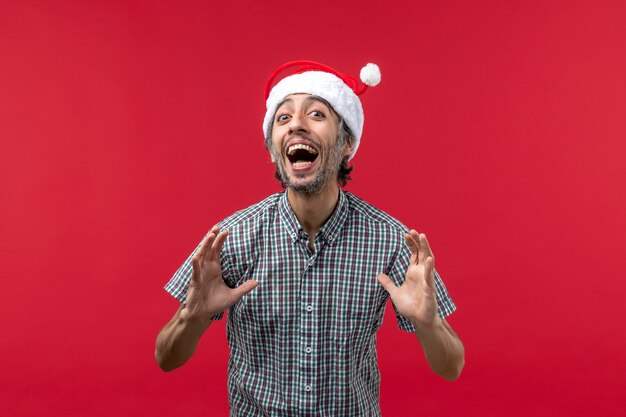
x,y
327,172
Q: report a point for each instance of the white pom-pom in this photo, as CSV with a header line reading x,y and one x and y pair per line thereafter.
x,y
370,75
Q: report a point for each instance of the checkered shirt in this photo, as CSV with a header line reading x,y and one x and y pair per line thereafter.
x,y
303,342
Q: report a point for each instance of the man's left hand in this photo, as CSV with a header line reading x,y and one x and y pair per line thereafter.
x,y
416,298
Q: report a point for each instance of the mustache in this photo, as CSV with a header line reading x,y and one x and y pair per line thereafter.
x,y
301,135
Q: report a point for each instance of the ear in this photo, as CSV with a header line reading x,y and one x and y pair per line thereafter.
x,y
268,151
348,148
271,156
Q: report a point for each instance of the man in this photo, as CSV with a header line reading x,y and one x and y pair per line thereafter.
x,y
306,273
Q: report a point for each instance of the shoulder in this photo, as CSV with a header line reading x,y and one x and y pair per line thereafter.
x,y
371,216
255,213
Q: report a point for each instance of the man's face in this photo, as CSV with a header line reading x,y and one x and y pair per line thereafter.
x,y
304,143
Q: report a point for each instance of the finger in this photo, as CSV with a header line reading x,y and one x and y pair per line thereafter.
x,y
414,248
416,237
198,258
420,252
244,289
205,250
216,248
195,268
205,245
386,282
411,242
426,247
429,266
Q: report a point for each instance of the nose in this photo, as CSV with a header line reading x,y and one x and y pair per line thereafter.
x,y
297,123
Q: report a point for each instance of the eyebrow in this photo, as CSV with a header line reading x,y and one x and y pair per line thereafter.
x,y
316,98
308,100
283,102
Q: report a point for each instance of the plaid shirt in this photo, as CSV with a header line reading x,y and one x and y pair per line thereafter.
x,y
303,343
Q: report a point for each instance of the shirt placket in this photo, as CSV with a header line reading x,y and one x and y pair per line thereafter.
x,y
308,346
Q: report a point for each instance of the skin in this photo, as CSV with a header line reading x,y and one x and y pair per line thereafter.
x,y
313,193
301,118
207,296
416,299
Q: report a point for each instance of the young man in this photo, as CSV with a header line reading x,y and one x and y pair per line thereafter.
x,y
306,273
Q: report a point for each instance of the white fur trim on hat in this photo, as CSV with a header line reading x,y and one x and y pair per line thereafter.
x,y
327,86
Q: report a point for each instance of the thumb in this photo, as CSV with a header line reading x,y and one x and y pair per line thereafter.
x,y
245,288
386,282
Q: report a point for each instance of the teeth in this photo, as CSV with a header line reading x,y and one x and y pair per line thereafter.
x,y
293,148
301,164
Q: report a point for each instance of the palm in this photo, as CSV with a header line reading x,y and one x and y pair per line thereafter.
x,y
416,297
208,295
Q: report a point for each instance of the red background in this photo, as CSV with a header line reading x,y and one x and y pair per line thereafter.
x,y
127,129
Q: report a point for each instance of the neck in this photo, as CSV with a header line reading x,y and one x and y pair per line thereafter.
x,y
312,211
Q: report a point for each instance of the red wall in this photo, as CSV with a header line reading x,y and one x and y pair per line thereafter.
x,y
128,128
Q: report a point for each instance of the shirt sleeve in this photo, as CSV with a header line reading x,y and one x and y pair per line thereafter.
x,y
178,285
397,274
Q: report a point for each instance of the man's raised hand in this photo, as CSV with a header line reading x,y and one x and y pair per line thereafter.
x,y
208,295
416,298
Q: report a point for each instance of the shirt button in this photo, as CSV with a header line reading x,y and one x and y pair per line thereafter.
x,y
307,388
309,308
311,262
308,349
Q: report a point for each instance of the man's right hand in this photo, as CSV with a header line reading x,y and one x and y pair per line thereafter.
x,y
208,295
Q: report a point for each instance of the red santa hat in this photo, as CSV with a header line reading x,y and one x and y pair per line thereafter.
x,y
338,89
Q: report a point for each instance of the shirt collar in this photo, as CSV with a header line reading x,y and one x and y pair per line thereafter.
x,y
328,231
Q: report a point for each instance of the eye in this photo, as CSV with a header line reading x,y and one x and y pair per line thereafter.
x,y
317,114
282,118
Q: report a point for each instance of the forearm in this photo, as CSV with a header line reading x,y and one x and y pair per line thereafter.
x,y
178,340
443,349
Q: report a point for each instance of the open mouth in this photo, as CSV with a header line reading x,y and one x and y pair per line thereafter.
x,y
301,155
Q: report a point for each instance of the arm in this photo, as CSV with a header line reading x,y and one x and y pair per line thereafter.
x,y
178,339
208,295
443,349
416,299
